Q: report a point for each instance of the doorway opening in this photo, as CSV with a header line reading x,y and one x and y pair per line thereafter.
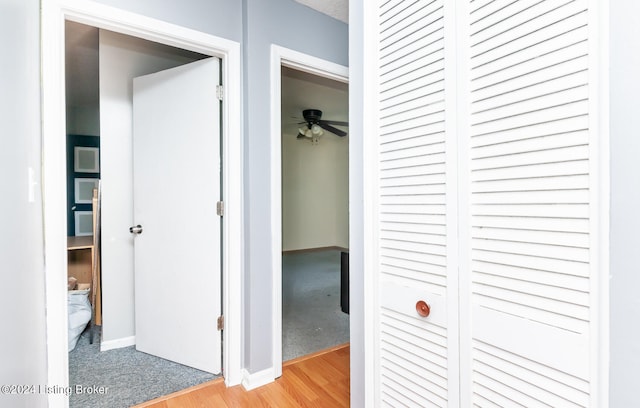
x,y
315,212
55,14
100,67
310,191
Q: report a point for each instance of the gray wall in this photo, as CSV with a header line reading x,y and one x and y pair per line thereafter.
x,y
217,17
291,25
22,313
625,202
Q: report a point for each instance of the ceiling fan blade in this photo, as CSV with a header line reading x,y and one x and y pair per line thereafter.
x,y
333,122
323,124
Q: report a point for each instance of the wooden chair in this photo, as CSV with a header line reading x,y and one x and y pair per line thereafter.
x,y
96,298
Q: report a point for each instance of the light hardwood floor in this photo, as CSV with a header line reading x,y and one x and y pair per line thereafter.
x,y
317,380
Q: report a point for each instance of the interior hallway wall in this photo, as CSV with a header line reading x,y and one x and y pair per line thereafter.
x,y
222,18
270,22
624,295
22,311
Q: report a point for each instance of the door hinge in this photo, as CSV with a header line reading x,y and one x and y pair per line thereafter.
x,y
220,208
219,91
220,323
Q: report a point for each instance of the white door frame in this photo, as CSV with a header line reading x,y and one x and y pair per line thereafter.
x,y
54,15
281,56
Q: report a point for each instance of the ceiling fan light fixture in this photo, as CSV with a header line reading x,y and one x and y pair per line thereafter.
x,y
316,130
314,126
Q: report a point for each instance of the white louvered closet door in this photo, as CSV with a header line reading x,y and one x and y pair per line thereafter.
x,y
414,262
529,278
483,188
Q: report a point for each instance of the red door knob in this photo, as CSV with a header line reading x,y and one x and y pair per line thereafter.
x,y
423,308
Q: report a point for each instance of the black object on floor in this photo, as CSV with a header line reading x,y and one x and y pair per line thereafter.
x,y
344,282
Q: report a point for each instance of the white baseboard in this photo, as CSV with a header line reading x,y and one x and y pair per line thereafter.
x,y
255,380
118,343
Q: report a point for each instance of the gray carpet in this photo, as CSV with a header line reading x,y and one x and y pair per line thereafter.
x,y
311,316
131,377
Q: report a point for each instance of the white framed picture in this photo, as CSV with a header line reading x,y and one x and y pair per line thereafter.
x,y
86,159
83,188
84,223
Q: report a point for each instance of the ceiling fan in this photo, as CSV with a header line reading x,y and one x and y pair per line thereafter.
x,y
315,125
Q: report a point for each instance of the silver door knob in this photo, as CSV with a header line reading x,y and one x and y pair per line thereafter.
x,y
136,229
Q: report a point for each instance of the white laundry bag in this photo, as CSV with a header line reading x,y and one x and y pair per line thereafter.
x,y
79,314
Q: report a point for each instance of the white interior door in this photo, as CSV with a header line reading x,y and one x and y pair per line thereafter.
x,y
176,152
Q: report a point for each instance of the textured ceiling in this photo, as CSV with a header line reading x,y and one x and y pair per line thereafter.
x,y
338,9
